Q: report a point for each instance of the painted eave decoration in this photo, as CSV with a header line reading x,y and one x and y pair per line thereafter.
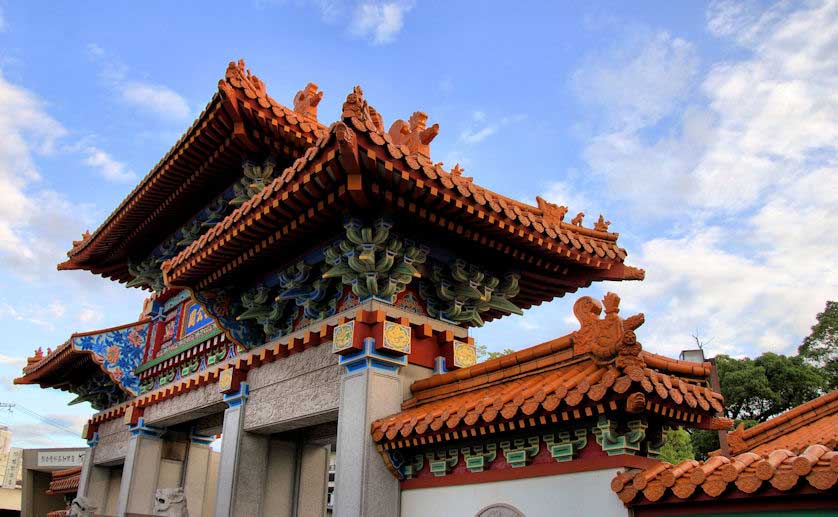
x,y
98,366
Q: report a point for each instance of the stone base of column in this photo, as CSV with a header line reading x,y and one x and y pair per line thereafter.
x,y
141,470
363,485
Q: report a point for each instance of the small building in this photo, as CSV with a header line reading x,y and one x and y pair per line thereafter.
x,y
48,479
64,483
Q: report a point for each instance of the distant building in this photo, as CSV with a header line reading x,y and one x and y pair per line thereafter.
x,y
11,461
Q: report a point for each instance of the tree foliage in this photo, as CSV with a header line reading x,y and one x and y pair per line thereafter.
x,y
757,389
820,347
483,353
677,446
704,442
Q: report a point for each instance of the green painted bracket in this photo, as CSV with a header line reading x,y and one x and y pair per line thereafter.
x,y
479,457
562,447
442,463
518,453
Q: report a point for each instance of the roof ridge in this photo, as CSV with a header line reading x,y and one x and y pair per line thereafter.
x,y
492,365
236,76
796,417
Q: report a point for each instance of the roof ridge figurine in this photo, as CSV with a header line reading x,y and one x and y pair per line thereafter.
x,y
414,133
610,339
307,99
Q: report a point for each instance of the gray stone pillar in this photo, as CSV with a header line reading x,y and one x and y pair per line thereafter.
x,y
139,474
313,481
87,466
244,460
370,389
196,477
94,481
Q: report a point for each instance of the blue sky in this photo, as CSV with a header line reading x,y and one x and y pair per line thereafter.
x,y
707,133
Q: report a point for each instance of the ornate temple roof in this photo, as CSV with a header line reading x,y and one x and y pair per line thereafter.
x,y
599,368
357,164
98,366
815,422
791,452
241,119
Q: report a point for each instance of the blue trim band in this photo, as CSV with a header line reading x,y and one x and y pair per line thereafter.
x,y
370,358
238,398
146,430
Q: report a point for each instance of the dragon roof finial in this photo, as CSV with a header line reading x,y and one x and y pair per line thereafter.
x,y
610,339
414,133
307,99
358,112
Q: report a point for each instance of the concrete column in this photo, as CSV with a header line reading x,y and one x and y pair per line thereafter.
x,y
196,479
279,484
87,466
313,481
141,470
370,389
244,460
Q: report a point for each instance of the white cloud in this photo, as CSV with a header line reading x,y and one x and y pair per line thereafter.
x,y
470,136
741,168
109,168
639,82
379,21
90,315
562,193
157,99
29,315
13,361
486,127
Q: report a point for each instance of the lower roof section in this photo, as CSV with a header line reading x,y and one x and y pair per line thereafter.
x,y
815,422
601,368
98,366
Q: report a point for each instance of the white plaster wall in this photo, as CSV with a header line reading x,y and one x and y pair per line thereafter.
x,y
577,494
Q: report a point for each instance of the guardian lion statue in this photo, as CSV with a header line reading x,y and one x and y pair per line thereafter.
x,y
81,507
170,502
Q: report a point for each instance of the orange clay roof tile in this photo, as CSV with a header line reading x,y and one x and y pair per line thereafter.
x,y
64,481
815,422
547,378
748,472
237,79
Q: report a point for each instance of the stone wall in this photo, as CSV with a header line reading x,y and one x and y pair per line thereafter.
x,y
113,443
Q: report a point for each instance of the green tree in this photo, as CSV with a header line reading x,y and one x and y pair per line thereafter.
x,y
757,389
704,442
821,346
483,353
677,446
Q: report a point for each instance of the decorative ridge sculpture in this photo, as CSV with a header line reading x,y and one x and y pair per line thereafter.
x,y
414,133
610,339
307,99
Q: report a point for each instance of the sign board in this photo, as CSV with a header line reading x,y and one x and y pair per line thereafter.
x,y
60,459
11,475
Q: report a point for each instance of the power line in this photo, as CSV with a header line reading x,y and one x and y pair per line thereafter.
x,y
49,421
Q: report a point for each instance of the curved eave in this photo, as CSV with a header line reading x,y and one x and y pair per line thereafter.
x,y
235,124
338,172
67,362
